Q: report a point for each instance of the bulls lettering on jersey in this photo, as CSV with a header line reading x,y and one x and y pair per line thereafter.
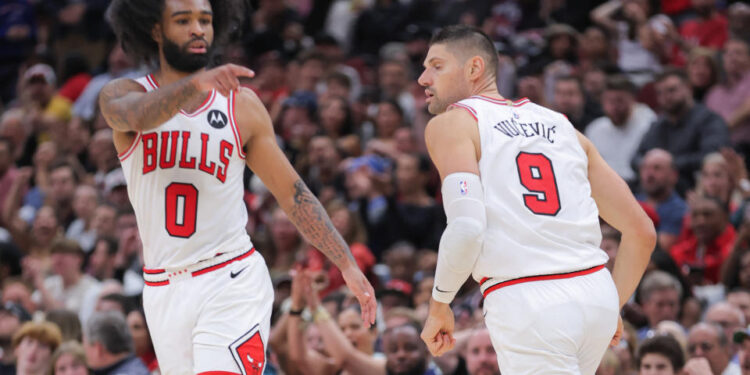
x,y
185,183
541,218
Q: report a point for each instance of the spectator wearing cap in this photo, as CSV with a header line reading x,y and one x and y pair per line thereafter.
x,y
37,88
33,345
395,293
706,340
12,315
688,130
296,123
619,132
109,346
658,178
68,287
700,254
731,97
115,190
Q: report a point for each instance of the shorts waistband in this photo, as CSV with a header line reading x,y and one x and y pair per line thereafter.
x,y
489,285
162,276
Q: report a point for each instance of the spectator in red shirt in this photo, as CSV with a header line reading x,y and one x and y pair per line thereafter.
x,y
709,29
701,254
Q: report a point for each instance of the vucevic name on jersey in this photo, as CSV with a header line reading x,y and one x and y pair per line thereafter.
x,y
541,218
185,184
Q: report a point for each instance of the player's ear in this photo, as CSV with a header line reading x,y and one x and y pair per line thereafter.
x,y
156,33
475,67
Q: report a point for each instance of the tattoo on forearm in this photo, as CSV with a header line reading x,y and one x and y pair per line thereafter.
x,y
312,220
160,106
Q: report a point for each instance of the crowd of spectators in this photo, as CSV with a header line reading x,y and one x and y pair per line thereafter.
x,y
661,87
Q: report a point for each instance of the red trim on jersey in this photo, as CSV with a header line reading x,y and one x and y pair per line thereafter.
x,y
218,373
129,151
517,103
223,264
483,280
556,276
203,107
235,128
152,81
157,283
467,108
154,271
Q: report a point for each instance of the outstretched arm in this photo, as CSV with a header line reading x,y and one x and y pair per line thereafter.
x,y
267,160
127,108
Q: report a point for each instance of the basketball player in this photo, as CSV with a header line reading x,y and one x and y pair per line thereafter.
x,y
184,135
523,191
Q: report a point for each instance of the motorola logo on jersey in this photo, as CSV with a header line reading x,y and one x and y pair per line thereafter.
x,y
217,119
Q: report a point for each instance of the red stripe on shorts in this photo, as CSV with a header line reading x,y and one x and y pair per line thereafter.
x,y
556,276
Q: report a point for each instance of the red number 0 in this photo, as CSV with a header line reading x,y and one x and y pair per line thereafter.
x,y
537,176
180,221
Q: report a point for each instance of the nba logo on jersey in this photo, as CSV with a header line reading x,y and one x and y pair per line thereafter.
x,y
516,115
463,187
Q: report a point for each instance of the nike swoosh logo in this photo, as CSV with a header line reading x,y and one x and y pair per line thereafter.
x,y
234,274
440,290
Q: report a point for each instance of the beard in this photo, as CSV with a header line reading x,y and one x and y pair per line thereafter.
x,y
181,60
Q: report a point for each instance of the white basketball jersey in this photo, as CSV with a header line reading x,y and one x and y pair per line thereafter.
x,y
541,219
185,184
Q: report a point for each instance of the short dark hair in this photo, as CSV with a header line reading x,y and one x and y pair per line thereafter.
x,y
619,82
133,20
672,72
572,78
664,345
474,39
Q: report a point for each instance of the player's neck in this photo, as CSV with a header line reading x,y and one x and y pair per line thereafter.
x,y
487,87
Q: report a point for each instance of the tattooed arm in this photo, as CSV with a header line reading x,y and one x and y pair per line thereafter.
x,y
266,159
127,108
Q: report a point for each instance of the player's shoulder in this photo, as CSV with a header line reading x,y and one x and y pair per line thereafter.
x,y
543,111
451,125
120,86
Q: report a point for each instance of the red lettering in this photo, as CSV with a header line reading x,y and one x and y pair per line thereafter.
x,y
225,151
184,163
208,168
163,162
149,152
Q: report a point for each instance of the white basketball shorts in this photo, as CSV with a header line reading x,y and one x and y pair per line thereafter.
x,y
548,326
211,318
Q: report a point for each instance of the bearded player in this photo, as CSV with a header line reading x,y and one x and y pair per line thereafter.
x,y
184,135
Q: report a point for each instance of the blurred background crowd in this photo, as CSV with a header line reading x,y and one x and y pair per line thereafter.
x,y
661,87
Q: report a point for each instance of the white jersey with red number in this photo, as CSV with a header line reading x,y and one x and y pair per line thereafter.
x,y
541,219
185,182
